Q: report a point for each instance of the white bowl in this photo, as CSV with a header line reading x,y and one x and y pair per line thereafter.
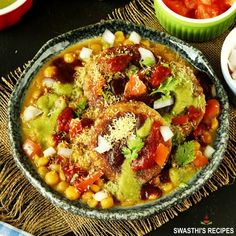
x,y
228,45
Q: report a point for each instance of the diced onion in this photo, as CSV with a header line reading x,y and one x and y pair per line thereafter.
x,y
30,113
209,150
145,53
163,103
108,37
49,152
135,37
65,152
166,132
85,53
103,145
48,82
99,196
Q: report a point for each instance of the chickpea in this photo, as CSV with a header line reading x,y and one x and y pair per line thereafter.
x,y
62,186
42,171
87,195
92,202
42,161
69,57
100,183
50,71
107,203
72,193
96,48
119,37
197,145
214,125
207,139
95,188
52,178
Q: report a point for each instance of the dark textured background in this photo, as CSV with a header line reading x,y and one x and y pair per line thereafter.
x,y
49,18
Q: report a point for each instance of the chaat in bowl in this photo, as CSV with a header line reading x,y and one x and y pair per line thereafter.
x,y
117,121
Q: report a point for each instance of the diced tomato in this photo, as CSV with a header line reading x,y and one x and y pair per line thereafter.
x,y
134,87
75,127
31,148
159,75
207,11
212,109
58,137
191,4
177,6
200,160
206,2
161,154
64,119
83,184
180,120
194,113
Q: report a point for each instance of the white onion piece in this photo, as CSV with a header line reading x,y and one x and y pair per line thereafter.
x,y
108,37
135,37
145,53
166,132
85,53
99,196
163,103
232,60
30,113
209,150
49,152
65,152
48,82
103,145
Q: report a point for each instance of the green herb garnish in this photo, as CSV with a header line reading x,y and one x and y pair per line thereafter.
x,y
133,147
185,153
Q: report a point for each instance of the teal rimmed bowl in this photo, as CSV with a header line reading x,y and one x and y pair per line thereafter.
x,y
58,44
194,30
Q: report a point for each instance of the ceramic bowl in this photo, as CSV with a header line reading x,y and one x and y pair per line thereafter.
x,y
12,13
63,41
194,30
228,45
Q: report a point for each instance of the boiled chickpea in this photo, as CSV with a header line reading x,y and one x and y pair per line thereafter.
x,y
146,43
95,188
107,203
55,167
50,71
71,193
214,125
119,37
42,171
100,183
42,161
62,186
69,57
52,178
128,42
62,175
87,195
96,48
92,202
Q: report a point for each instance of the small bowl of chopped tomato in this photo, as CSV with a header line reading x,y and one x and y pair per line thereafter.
x,y
196,20
11,11
228,60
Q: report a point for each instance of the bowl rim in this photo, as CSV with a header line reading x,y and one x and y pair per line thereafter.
x,y
12,7
198,21
225,51
116,213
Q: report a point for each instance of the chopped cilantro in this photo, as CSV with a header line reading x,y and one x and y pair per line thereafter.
x,y
134,146
185,153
